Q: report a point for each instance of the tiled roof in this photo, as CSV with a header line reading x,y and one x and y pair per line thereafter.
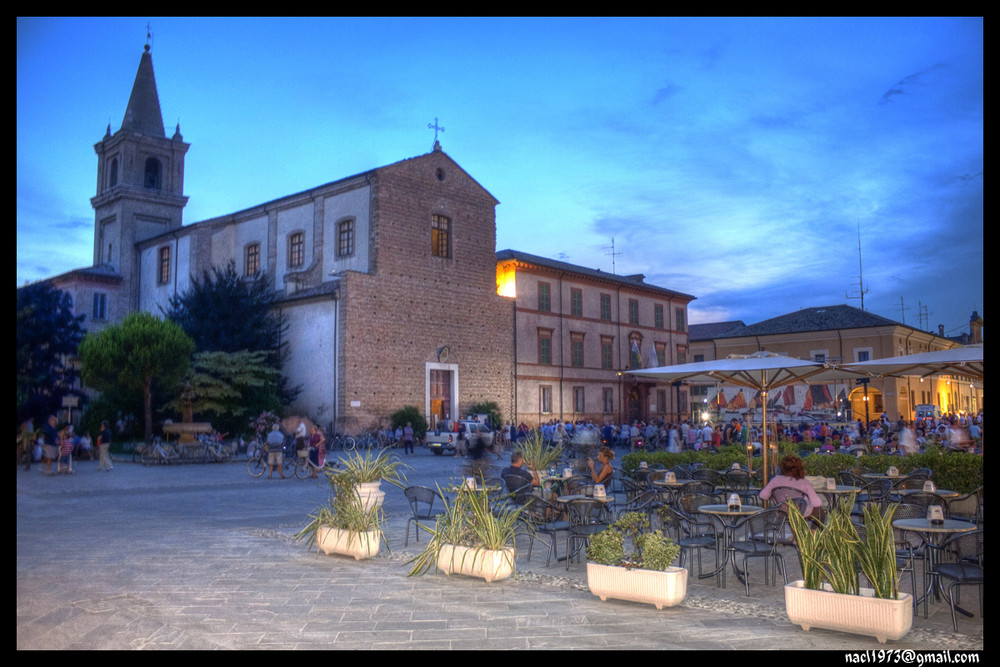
x,y
627,281
823,318
712,330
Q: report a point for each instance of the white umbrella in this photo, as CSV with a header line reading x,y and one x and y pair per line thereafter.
x,y
966,361
762,371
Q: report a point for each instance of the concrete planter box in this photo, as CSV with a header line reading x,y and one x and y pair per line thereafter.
x,y
660,588
346,543
489,564
857,614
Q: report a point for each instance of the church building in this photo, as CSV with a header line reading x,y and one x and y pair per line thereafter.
x,y
387,278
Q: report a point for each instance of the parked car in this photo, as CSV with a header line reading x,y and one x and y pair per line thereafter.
x,y
444,438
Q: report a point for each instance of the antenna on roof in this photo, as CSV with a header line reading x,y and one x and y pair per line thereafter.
x,y
862,290
613,255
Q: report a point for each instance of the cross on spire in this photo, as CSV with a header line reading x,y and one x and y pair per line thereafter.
x,y
436,129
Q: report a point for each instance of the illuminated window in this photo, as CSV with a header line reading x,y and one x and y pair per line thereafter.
x,y
252,262
296,249
163,274
440,236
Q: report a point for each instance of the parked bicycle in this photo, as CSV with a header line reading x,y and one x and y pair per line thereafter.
x,y
158,452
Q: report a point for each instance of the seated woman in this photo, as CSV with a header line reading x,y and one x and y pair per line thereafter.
x,y
604,456
793,472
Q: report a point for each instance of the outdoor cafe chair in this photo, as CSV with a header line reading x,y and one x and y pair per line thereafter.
x,y
422,500
701,487
587,517
961,563
738,482
763,534
968,507
690,535
644,503
544,518
708,475
925,500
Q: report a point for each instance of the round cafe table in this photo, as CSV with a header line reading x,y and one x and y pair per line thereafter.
x,y
946,494
933,535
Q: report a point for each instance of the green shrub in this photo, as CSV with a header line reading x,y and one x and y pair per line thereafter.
x,y
410,414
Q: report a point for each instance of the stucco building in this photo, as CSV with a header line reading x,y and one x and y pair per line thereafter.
x,y
837,334
578,330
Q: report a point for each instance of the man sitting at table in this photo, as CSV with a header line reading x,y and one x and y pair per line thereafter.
x,y
516,475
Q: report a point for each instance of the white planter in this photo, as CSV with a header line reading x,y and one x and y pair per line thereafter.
x,y
661,588
370,494
858,614
346,543
489,564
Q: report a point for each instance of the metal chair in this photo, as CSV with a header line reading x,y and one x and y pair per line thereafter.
x,y
738,482
690,535
762,535
701,487
968,507
422,500
708,475
926,500
645,503
543,518
587,517
961,563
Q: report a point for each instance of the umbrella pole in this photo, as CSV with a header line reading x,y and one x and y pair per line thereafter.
x,y
764,443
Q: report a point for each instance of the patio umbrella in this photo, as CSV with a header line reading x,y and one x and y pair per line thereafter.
x,y
762,371
967,360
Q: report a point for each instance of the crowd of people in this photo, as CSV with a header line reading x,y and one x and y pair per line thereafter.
x,y
954,431
60,446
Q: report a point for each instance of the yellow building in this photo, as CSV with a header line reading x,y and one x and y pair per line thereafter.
x,y
836,334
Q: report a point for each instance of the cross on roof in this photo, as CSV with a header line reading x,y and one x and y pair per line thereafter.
x,y
436,128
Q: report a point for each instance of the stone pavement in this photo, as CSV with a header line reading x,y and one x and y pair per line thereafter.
x,y
202,557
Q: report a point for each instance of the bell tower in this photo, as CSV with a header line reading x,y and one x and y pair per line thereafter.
x,y
140,181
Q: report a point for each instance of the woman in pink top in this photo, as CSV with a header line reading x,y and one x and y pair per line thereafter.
x,y
793,472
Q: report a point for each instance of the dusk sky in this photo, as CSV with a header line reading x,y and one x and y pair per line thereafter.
x,y
732,159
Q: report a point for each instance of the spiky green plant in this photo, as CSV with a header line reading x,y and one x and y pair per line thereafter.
x,y
470,521
537,454
344,510
834,553
369,465
877,552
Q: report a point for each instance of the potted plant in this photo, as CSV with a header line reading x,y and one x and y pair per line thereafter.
x,y
367,470
470,537
641,573
345,524
829,595
537,454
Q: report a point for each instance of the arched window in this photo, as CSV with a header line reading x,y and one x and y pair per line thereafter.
x,y
151,178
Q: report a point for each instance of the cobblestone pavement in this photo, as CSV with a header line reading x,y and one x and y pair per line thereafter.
x,y
202,557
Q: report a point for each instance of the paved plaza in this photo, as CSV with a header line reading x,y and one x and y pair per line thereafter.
x,y
202,557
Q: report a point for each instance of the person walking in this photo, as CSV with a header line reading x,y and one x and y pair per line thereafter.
x,y
104,448
65,450
50,444
408,438
317,450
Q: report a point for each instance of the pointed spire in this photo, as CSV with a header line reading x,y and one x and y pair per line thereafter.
x,y
142,115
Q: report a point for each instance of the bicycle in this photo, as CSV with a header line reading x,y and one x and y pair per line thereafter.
x,y
343,442
258,464
156,452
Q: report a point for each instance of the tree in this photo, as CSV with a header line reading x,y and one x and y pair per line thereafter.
x,y
48,334
229,386
412,415
134,354
227,312
492,412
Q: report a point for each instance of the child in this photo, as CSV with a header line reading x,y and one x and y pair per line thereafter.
x,y
65,451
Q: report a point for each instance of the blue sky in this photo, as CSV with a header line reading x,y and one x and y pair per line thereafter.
x,y
732,159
